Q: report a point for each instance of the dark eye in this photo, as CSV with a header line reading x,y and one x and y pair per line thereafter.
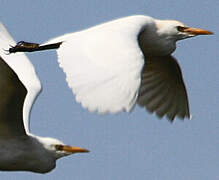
x,y
180,28
59,147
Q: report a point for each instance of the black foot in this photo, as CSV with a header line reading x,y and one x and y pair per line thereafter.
x,y
23,46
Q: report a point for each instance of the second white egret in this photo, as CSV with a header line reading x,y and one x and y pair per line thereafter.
x,y
19,86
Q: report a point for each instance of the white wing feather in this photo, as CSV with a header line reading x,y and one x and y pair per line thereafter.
x,y
103,64
24,70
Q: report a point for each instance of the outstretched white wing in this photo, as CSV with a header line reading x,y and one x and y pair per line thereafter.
x,y
103,64
23,68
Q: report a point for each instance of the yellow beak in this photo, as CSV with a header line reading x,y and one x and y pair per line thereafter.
x,y
71,149
196,31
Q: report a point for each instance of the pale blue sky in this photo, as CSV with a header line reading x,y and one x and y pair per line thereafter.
x,y
125,146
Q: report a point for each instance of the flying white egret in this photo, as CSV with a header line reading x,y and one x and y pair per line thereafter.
x,y
114,66
19,86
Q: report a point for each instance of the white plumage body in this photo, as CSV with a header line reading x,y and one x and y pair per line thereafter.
x,y
115,79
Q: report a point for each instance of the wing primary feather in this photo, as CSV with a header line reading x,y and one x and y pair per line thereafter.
x,y
162,88
13,93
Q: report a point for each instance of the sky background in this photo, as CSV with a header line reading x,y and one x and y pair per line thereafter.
x,y
125,146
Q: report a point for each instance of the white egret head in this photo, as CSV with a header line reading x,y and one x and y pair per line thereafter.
x,y
58,148
177,30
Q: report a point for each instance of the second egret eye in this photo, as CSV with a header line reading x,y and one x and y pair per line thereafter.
x,y
180,28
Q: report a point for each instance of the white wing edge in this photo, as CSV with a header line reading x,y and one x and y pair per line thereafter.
x,y
25,71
